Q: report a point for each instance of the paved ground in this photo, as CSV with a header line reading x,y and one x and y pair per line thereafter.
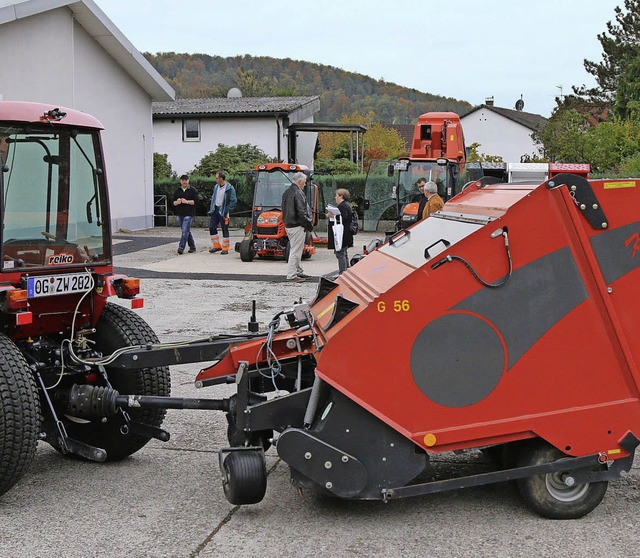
x,y
167,500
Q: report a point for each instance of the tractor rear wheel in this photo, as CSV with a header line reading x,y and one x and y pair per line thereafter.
x,y
549,495
247,252
244,477
19,414
120,327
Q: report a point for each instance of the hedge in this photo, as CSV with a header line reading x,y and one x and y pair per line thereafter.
x,y
204,185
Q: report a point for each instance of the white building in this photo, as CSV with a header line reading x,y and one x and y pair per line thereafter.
x,y
68,53
501,131
188,129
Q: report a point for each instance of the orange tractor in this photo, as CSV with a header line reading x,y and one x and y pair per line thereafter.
x,y
265,234
437,153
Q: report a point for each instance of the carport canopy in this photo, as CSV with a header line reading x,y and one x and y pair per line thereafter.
x,y
358,129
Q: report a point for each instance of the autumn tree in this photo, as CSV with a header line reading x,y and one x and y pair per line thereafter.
x,y
476,156
380,141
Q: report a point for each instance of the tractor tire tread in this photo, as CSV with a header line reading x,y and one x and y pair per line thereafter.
x,y
19,414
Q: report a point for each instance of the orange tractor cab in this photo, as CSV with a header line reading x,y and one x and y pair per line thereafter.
x,y
265,234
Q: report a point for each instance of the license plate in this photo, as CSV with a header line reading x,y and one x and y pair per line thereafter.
x,y
51,285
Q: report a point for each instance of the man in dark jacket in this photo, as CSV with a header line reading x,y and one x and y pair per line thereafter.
x,y
346,215
297,221
184,202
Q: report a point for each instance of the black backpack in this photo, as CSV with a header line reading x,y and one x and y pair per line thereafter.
x,y
353,226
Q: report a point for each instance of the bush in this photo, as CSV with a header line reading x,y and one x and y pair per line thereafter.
x,y
232,160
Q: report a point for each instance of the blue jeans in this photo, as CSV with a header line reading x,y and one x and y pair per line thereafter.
x,y
187,237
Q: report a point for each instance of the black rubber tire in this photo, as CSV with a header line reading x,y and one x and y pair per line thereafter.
x,y
286,249
547,494
120,327
244,477
247,253
19,414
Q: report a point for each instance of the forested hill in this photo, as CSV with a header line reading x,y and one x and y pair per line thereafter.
x,y
341,93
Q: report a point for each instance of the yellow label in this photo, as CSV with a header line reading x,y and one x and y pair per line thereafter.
x,y
621,184
327,309
451,138
614,451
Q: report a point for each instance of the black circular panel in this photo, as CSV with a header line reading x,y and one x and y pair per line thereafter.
x,y
457,360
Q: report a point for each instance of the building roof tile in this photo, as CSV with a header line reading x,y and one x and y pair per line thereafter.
x,y
233,105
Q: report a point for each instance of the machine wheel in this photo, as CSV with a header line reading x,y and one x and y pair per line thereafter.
x,y
236,436
19,414
285,251
120,327
247,252
244,477
548,495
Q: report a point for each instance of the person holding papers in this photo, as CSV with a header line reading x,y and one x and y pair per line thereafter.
x,y
340,236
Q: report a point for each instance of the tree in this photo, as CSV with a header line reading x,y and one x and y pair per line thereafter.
x,y
476,156
335,166
620,46
162,167
380,141
627,97
564,136
232,160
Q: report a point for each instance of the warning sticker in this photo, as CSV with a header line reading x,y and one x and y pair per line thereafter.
x,y
620,184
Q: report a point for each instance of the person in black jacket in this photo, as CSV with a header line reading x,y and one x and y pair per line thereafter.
x,y
297,221
184,202
345,217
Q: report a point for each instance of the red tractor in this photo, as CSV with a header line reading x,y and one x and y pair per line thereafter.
x,y
265,235
57,277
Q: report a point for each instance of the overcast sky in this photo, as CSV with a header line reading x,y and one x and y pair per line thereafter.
x,y
464,49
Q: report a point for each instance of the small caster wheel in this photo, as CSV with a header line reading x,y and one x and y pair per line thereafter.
x,y
244,476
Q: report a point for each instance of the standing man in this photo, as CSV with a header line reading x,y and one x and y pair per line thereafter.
x,y
223,202
184,201
297,221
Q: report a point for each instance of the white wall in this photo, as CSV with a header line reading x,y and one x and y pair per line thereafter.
x,y
49,58
263,132
497,135
104,89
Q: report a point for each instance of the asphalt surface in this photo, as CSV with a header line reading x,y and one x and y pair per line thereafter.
x,y
167,499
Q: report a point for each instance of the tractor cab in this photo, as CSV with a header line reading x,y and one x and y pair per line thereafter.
x,y
265,234
391,191
55,235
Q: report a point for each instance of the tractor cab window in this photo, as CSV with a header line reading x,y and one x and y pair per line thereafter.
x,y
392,185
270,186
53,198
